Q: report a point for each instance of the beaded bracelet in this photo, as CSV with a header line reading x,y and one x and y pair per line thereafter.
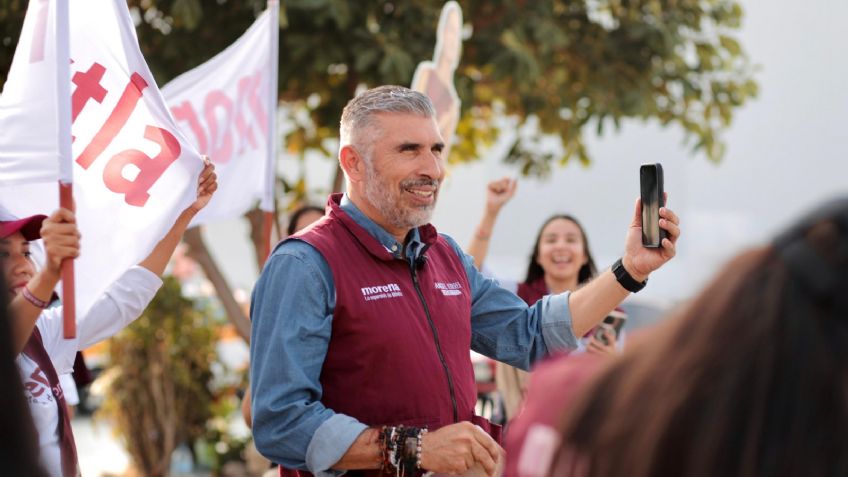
x,y
33,300
400,449
418,447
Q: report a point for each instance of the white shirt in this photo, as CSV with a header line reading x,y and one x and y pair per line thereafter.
x,y
122,303
69,389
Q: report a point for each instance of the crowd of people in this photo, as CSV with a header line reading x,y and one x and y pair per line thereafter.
x,y
364,317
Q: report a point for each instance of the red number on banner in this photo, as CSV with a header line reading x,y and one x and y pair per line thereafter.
x,y
149,169
256,103
243,130
185,112
88,87
116,121
221,147
219,113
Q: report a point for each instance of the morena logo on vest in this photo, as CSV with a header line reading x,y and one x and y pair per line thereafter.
x,y
379,292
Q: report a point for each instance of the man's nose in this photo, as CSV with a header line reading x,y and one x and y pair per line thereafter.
x,y
434,166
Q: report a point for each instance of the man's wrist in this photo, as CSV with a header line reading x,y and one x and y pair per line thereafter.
x,y
625,279
628,265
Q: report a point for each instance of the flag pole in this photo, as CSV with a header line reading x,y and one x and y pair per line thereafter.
x,y
66,196
267,204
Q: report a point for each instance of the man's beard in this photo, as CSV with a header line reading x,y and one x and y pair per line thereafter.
x,y
386,198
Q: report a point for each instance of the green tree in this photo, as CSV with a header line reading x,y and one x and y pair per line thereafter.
x,y
160,366
567,66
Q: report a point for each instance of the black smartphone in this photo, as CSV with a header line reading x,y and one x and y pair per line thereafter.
x,y
614,322
653,197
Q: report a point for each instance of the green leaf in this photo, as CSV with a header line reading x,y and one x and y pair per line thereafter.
x,y
188,12
732,46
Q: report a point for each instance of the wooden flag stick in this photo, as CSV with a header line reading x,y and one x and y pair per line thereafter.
x,y
69,320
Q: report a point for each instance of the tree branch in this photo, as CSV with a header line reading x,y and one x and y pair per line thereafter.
x,y
199,253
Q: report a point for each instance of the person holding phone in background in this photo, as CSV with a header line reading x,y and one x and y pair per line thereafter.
x,y
560,261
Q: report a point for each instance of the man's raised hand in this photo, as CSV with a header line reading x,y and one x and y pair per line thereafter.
x,y
640,261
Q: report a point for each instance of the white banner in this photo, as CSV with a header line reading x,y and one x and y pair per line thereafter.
x,y
29,152
223,108
133,170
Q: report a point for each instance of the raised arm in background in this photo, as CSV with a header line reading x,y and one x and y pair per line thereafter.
x,y
207,184
498,193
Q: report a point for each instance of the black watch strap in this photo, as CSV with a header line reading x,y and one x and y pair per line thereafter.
x,y
625,279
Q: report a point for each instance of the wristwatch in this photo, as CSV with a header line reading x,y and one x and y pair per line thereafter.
x,y
625,280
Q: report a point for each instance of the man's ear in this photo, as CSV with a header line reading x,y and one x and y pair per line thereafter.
x,y
352,163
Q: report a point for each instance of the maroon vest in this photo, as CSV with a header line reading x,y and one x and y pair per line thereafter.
x,y
399,351
34,348
533,291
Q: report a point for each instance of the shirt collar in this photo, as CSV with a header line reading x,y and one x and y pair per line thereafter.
x,y
414,244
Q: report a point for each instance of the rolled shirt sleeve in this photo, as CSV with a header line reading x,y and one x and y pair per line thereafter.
x,y
291,313
504,328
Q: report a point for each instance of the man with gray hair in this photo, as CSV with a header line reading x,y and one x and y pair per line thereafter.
x,y
363,322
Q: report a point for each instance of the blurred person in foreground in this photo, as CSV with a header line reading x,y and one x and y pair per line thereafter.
x,y
749,379
42,352
363,322
18,441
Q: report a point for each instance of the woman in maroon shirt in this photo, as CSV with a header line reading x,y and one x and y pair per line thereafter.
x,y
560,261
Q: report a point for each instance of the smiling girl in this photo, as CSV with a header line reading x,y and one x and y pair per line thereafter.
x,y
561,261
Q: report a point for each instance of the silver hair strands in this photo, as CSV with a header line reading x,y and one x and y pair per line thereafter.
x,y
360,110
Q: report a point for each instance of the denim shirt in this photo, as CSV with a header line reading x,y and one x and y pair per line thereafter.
x,y
292,314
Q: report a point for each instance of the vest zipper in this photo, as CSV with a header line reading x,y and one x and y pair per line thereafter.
x,y
412,267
